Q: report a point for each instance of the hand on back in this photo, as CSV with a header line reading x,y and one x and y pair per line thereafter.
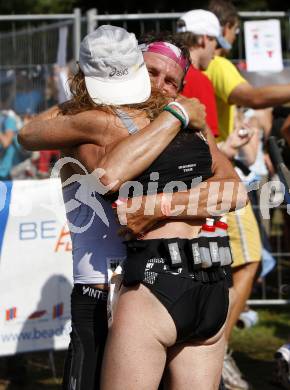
x,y
195,110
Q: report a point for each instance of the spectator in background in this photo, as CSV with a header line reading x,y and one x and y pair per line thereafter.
x,y
286,130
232,89
281,130
252,157
36,165
10,154
47,159
241,252
199,32
29,93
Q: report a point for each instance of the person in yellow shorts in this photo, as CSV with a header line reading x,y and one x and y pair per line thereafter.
x,y
245,237
232,89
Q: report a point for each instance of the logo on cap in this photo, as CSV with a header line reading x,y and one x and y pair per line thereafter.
x,y
118,72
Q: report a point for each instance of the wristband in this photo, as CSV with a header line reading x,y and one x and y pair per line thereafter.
x,y
182,109
176,114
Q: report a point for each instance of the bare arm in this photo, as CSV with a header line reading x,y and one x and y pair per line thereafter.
x,y
128,155
223,173
272,95
127,159
121,156
50,131
265,120
7,138
249,151
231,194
231,146
50,113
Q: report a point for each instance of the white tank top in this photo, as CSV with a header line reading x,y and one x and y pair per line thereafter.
x,y
99,247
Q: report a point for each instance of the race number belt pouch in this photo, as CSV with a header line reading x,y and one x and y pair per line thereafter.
x,y
207,252
173,249
138,254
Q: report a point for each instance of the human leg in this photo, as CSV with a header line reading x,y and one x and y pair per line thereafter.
x,y
137,341
176,305
196,366
243,278
88,336
246,250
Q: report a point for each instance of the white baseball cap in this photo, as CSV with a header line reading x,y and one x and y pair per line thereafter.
x,y
114,68
202,22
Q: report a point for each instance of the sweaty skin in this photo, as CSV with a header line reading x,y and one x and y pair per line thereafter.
x,y
108,150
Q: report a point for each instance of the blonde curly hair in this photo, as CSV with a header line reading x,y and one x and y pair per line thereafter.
x,y
81,101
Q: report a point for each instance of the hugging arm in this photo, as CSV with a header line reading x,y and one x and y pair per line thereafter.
x,y
50,130
127,159
128,155
221,193
121,156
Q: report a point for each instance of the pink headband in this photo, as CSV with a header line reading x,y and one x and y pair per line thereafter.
x,y
169,50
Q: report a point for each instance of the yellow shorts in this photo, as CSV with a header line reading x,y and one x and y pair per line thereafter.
x,y
244,236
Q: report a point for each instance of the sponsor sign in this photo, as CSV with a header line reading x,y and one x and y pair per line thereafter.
x,y
35,268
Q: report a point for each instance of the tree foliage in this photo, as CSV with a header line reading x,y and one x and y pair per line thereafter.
x,y
60,6
36,6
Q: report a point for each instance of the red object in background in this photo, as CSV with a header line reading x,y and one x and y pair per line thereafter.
x,y
242,65
57,310
47,159
11,313
197,85
37,314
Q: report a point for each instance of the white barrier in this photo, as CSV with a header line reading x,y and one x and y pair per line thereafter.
x,y
35,268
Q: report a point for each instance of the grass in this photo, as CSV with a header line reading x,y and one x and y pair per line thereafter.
x,y
39,371
253,351
254,347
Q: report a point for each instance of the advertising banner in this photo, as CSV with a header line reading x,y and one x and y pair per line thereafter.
x,y
35,267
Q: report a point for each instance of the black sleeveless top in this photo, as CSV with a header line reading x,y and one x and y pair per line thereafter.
x,y
186,158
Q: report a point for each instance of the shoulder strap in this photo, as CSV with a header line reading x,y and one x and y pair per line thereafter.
x,y
127,121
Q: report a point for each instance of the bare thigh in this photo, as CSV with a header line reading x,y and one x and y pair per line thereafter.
x,y
196,366
137,343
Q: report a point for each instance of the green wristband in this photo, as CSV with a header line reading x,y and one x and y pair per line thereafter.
x,y
176,114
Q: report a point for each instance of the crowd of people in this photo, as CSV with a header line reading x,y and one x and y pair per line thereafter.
x,y
171,110
16,163
23,94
